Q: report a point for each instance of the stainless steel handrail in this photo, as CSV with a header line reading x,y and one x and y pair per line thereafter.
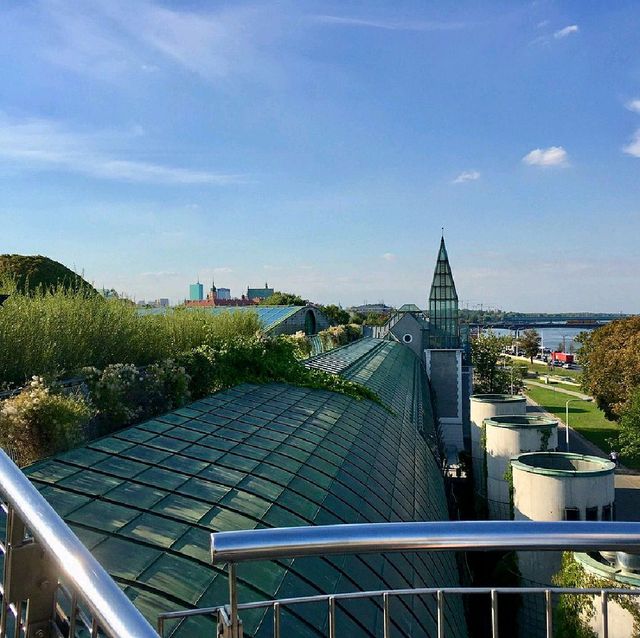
x,y
115,613
292,542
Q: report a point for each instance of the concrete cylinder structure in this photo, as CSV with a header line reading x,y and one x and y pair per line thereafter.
x,y
486,406
506,437
556,486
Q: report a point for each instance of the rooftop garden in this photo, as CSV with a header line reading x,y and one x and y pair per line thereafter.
x,y
127,367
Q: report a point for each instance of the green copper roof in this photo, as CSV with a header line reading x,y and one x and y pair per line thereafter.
x,y
146,498
409,307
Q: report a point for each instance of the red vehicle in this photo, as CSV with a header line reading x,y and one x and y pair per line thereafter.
x,y
565,357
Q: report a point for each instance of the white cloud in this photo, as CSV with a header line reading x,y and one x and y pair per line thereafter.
x,y
467,176
389,25
633,147
633,105
389,257
40,144
109,38
563,33
161,274
552,156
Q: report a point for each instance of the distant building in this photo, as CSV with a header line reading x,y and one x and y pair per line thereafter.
x,y
220,297
259,293
223,293
372,308
162,302
196,292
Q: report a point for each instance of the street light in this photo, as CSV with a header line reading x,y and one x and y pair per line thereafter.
x,y
566,420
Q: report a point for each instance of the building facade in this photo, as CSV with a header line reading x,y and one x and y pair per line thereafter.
x,y
224,293
259,293
196,292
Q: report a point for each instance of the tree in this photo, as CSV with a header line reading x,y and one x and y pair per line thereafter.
x,y
610,359
336,314
283,299
629,437
376,319
491,373
529,343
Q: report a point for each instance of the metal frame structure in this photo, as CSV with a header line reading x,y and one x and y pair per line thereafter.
x,y
265,544
52,585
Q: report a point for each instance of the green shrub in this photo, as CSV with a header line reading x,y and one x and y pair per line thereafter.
x,y
301,344
199,366
57,333
336,336
41,421
124,394
117,394
167,386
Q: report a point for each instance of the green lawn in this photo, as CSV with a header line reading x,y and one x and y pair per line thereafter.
x,y
557,384
586,418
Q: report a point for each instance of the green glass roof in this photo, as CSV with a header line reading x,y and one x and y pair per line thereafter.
x,y
409,307
269,316
145,499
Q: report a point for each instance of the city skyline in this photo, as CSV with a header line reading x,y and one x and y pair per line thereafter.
x,y
323,145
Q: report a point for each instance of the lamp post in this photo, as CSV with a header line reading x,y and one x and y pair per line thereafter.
x,y
566,420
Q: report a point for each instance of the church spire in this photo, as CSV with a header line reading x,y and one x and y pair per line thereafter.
x,y
443,304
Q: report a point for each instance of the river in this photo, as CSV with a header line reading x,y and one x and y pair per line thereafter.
x,y
553,337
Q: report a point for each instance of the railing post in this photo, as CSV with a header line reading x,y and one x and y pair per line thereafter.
x,y
494,613
229,625
605,614
332,617
236,631
548,608
276,620
440,601
386,619
29,575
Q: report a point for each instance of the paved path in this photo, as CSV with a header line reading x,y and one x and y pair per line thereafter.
x,y
627,481
550,386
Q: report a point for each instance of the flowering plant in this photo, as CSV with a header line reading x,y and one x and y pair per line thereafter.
x,y
41,421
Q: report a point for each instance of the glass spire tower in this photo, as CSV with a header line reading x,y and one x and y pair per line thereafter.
x,y
444,329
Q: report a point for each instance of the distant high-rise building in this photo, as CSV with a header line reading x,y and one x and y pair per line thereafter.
x,y
224,293
196,292
162,302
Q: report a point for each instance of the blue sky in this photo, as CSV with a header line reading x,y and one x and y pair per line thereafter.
x,y
321,146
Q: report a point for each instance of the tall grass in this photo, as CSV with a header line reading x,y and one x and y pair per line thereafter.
x,y
56,333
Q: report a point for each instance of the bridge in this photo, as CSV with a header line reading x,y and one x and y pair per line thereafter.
x,y
521,321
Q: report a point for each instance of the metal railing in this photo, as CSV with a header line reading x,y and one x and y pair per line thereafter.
x,y
52,585
265,544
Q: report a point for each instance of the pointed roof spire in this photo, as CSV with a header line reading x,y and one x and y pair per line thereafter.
x,y
443,303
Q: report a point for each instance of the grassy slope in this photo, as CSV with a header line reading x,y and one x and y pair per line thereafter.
x,y
586,418
31,272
